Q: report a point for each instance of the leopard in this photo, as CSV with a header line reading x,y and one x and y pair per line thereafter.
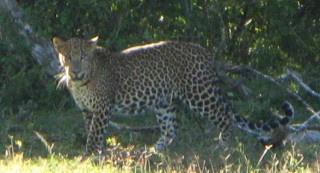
x,y
150,77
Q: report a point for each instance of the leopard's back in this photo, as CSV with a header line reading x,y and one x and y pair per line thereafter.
x,y
166,70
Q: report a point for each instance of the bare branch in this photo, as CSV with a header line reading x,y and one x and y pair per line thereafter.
x,y
309,121
235,84
294,76
244,69
144,129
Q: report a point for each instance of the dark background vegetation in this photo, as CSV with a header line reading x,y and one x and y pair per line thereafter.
x,y
269,35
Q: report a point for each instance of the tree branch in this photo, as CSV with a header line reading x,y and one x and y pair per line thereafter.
x,y
144,129
294,76
243,69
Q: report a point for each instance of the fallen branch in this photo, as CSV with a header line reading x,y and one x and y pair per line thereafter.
x,y
246,69
234,85
306,125
294,76
144,129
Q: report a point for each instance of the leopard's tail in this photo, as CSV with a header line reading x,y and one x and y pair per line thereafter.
x,y
244,123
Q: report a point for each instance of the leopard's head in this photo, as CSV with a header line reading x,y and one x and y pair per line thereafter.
x,y
76,57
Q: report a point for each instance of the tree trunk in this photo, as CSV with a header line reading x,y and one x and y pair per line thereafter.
x,y
42,49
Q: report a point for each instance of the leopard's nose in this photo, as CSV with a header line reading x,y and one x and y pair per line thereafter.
x,y
76,71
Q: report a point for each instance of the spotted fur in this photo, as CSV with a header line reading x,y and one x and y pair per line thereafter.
x,y
150,77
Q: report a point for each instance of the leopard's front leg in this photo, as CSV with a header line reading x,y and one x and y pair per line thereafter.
x,y
87,118
95,134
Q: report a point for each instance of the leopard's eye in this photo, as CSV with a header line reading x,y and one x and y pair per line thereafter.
x,y
84,56
68,58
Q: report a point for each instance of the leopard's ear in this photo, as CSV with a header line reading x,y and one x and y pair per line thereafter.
x,y
59,45
93,41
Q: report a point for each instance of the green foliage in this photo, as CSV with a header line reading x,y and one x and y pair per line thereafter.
x,y
269,35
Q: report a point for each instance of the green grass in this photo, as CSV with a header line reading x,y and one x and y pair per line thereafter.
x,y
60,142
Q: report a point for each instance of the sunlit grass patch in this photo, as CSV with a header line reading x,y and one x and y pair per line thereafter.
x,y
53,164
237,160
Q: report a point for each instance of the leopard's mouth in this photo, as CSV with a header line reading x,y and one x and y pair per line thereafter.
x,y
65,78
78,77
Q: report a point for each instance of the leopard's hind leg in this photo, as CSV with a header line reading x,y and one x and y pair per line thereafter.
x,y
166,118
203,96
